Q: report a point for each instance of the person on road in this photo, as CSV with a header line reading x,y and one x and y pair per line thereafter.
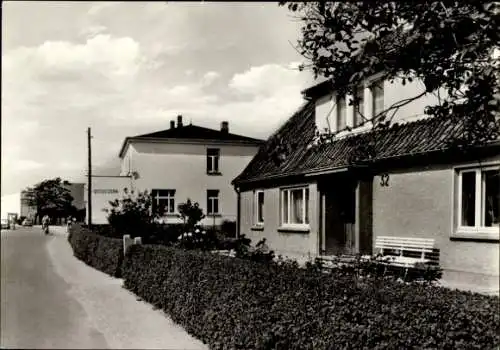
x,y
45,223
69,222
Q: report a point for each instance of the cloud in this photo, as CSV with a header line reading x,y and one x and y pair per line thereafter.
x,y
128,69
267,79
255,101
93,30
26,164
210,77
100,6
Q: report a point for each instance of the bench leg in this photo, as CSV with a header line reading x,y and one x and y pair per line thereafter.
x,y
406,272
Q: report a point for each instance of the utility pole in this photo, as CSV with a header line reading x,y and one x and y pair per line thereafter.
x,y
89,181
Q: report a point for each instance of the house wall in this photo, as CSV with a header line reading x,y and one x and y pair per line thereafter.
x,y
420,202
292,244
183,167
396,91
104,190
326,110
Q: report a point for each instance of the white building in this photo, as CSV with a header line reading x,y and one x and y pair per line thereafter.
x,y
11,204
184,161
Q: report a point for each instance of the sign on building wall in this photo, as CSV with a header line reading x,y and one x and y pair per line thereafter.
x,y
104,190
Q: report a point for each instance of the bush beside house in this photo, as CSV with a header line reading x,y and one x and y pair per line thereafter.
x,y
102,253
231,303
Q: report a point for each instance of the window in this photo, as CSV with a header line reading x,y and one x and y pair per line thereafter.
x,y
341,113
377,90
213,155
359,107
212,202
259,207
163,201
295,206
479,198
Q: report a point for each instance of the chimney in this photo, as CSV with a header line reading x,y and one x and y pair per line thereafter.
x,y
179,121
224,127
172,124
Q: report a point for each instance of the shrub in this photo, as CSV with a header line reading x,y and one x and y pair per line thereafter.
x,y
228,228
232,303
132,214
190,213
102,253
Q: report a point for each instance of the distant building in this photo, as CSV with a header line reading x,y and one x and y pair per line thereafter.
x,y
11,204
17,203
184,161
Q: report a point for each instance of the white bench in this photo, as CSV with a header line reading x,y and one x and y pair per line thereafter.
x,y
402,244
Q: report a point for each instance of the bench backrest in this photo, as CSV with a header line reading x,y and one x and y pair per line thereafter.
x,y
422,245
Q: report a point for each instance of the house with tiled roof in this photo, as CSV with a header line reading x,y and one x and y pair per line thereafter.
x,y
181,162
406,181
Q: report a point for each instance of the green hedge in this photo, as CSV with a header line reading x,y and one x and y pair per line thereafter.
x,y
103,253
230,303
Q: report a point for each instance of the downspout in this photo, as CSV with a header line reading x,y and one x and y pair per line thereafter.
x,y
238,211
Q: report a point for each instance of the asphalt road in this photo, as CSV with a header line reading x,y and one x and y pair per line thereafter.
x,y
36,309
50,299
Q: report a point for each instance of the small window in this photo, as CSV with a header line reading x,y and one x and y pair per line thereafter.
x,y
163,201
295,206
479,191
259,207
212,202
377,90
341,113
213,155
359,107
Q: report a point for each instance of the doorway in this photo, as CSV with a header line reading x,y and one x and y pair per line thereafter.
x,y
339,217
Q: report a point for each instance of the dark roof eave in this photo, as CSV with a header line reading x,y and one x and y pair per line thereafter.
x,y
318,90
366,164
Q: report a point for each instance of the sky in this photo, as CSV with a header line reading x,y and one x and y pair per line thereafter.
x,y
125,69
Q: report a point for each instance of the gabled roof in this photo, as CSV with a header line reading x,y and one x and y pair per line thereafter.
x,y
410,138
192,133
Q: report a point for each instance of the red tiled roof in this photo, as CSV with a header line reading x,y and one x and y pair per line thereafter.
x,y
410,138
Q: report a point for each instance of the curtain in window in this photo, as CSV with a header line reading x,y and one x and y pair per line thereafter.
x,y
297,206
341,114
491,190
260,206
468,198
359,107
285,206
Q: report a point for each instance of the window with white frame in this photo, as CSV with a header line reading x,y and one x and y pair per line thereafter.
x,y
377,90
295,206
341,113
478,199
163,201
212,202
213,155
259,207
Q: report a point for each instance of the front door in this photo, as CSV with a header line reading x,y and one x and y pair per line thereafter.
x,y
339,220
